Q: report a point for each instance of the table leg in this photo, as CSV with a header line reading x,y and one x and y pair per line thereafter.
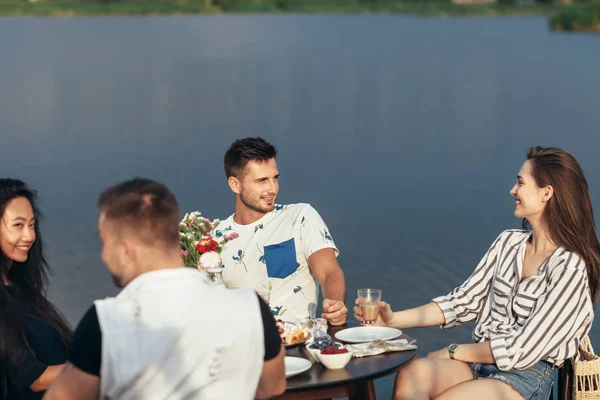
x,y
319,394
359,391
362,391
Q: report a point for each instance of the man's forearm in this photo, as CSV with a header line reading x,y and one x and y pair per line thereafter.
x,y
73,383
47,378
272,380
334,286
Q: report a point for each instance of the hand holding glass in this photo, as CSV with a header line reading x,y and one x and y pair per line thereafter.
x,y
368,299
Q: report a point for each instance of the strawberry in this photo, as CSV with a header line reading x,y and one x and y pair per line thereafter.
x,y
328,350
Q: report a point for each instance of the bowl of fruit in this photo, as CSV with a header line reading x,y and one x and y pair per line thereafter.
x,y
320,342
335,357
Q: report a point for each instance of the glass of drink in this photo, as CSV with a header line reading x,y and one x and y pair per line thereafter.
x,y
368,298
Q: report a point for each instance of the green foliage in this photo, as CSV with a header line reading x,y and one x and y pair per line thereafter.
x,y
507,2
576,18
157,7
284,4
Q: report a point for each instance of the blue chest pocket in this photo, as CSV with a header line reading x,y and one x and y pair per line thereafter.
x,y
281,259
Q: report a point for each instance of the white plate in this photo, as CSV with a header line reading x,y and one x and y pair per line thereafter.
x,y
362,334
296,365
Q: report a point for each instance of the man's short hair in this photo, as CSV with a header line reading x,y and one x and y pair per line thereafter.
x,y
245,150
144,206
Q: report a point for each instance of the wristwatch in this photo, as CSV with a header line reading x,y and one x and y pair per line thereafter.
x,y
452,349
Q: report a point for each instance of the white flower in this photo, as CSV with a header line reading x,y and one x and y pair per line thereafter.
x,y
220,240
189,236
212,259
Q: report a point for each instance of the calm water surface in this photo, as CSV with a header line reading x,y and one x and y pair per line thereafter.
x,y
405,133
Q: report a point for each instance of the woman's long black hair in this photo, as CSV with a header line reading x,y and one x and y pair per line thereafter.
x,y
30,279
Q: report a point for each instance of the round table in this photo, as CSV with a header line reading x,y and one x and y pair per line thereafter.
x,y
354,381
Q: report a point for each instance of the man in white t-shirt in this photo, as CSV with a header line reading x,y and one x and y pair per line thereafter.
x,y
168,334
284,250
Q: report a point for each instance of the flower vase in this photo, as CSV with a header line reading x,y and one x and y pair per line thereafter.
x,y
215,276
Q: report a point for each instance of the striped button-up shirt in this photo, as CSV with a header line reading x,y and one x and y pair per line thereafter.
x,y
542,317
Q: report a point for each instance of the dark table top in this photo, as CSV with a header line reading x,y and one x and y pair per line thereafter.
x,y
358,369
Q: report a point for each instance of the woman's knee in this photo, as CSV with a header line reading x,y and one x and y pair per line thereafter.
x,y
415,375
426,378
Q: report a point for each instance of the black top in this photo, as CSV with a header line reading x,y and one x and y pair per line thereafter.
x,y
86,347
45,348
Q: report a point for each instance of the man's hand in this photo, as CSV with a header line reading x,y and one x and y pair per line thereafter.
x,y
335,311
442,354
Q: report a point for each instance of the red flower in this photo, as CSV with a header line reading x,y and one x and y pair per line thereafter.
x,y
206,245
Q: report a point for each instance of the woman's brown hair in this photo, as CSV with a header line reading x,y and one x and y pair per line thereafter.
x,y
568,215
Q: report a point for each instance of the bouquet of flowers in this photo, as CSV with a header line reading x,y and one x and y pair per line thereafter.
x,y
200,247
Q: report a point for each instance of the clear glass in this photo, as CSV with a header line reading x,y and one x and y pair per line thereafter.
x,y
368,298
215,276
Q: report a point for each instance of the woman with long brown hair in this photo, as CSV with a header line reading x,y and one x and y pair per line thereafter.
x,y
532,295
33,335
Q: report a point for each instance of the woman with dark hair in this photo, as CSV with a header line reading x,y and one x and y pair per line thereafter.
x,y
33,335
532,295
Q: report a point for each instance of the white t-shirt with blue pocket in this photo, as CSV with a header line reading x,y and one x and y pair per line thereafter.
x,y
272,253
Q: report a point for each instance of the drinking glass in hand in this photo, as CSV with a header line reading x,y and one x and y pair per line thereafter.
x,y
368,298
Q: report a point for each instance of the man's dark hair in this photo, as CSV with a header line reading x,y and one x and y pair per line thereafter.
x,y
245,150
144,206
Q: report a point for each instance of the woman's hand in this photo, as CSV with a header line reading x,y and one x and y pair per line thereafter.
x,y
385,317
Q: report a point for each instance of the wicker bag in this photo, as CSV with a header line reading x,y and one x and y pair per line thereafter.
x,y
586,372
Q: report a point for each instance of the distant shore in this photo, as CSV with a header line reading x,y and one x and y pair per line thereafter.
x,y
580,17
585,18
67,8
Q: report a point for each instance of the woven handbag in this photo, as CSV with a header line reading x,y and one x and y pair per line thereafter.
x,y
586,372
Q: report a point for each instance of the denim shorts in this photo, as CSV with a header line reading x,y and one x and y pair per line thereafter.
x,y
534,383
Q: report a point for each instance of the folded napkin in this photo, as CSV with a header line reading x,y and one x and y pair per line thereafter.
x,y
380,347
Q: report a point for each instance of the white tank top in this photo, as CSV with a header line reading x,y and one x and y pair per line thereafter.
x,y
170,335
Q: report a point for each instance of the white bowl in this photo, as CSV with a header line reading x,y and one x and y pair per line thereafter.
x,y
314,353
335,361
